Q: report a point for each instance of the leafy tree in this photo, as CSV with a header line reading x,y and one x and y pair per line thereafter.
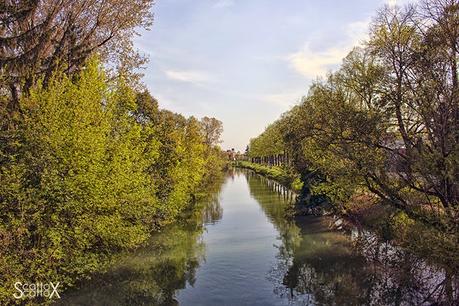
x,y
212,129
38,35
95,168
386,123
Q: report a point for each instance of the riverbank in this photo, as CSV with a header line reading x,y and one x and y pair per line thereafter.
x,y
189,216
241,237
151,273
91,168
366,211
276,173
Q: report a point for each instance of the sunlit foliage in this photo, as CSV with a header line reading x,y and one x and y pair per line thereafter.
x,y
91,167
386,123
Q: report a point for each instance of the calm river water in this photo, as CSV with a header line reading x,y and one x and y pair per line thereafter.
x,y
237,248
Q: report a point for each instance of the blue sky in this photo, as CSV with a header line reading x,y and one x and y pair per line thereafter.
x,y
247,61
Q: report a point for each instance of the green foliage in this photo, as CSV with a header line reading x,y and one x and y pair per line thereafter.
x,y
167,263
276,173
297,184
91,168
268,143
386,123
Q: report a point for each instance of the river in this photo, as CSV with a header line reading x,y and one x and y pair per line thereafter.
x,y
238,248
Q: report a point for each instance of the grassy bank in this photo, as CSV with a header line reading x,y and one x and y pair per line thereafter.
x,y
280,174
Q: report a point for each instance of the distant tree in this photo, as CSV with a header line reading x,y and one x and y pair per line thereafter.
x,y
212,129
147,107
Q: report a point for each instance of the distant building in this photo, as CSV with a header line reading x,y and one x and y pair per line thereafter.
x,y
232,155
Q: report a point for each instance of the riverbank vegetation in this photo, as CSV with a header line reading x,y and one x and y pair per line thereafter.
x,y
383,130
280,174
89,163
167,263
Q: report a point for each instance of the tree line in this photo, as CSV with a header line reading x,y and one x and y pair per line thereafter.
x,y
89,163
386,123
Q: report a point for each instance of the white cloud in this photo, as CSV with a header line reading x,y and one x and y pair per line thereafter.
x,y
357,32
188,76
400,3
224,3
312,63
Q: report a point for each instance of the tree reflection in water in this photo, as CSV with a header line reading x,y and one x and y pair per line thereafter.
x,y
319,266
314,265
152,275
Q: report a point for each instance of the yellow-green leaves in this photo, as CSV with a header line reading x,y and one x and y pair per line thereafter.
x,y
97,167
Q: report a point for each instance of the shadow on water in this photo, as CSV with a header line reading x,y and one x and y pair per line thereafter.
x,y
319,266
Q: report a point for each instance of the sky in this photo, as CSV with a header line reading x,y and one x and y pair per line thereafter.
x,y
246,62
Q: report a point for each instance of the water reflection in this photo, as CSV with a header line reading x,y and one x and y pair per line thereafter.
x,y
254,255
319,266
153,274
401,277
